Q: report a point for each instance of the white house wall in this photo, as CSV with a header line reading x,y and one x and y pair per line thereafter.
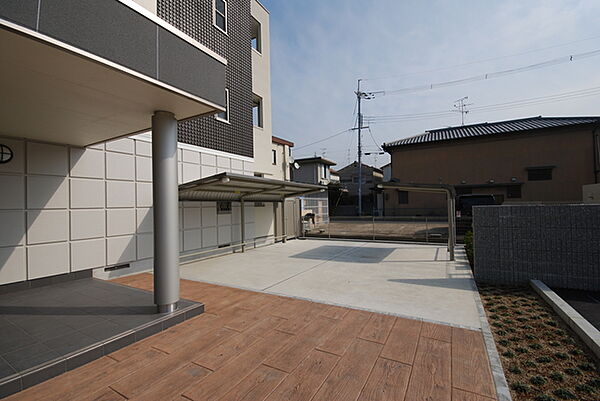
x,y
65,209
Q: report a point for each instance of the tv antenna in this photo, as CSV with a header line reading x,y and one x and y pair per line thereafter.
x,y
461,107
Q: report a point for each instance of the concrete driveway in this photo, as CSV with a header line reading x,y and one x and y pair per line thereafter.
x,y
410,280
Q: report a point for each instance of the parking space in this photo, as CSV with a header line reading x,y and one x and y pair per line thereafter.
x,y
410,280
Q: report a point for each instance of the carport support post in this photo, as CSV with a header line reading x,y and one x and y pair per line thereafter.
x,y
166,211
243,224
283,225
451,225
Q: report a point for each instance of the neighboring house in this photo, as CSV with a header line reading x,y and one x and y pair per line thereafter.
x,y
348,202
78,191
537,159
281,158
334,176
314,170
387,172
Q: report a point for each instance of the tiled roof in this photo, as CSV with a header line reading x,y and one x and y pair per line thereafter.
x,y
500,127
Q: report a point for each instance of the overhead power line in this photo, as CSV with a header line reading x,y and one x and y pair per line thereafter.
x,y
490,75
451,67
323,140
560,97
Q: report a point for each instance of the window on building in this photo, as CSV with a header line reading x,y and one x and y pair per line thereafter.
x,y
274,154
220,17
257,111
402,197
539,173
256,38
224,115
223,207
513,192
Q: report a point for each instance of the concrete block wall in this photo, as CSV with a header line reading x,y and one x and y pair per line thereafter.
x,y
557,244
65,209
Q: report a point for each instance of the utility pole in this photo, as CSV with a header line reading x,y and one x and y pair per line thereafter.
x,y
359,96
461,107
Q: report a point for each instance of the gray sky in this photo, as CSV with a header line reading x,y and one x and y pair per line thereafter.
x,y
320,48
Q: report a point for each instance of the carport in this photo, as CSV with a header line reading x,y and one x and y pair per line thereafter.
x,y
230,187
450,193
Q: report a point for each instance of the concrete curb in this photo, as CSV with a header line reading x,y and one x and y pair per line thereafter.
x,y
584,329
502,389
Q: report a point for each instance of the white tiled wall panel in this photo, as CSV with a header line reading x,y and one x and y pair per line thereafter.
x,y
125,145
120,194
87,193
121,249
143,169
47,159
88,254
145,245
13,227
120,166
66,208
47,260
144,194
120,222
87,163
88,223
47,192
12,265
47,226
145,220
14,196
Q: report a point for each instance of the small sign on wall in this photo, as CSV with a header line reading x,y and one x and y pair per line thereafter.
x,y
6,154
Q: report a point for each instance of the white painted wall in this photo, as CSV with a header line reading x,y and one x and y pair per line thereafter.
x,y
65,209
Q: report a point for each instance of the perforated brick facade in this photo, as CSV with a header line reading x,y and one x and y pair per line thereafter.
x,y
194,17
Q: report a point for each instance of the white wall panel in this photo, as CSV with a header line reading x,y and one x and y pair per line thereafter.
x,y
87,163
88,223
86,193
209,216
209,237
88,254
47,260
192,217
224,235
47,159
192,239
120,249
208,159
145,246
120,166
13,227
47,226
143,148
190,156
191,172
120,194
120,222
145,220
144,194
124,145
12,265
143,168
13,192
47,192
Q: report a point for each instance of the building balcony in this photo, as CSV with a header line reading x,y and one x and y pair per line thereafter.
x,y
83,72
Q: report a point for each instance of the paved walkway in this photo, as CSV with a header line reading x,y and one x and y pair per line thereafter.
x,y
255,346
410,280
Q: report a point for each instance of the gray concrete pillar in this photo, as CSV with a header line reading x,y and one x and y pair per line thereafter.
x,y
166,211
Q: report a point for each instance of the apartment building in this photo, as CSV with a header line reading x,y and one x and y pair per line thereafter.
x,y
107,107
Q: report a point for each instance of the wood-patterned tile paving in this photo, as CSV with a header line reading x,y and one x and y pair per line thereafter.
x,y
251,346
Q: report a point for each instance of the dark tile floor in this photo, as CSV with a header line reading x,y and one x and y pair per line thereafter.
x,y
38,325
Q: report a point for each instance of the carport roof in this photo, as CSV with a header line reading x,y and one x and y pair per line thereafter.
x,y
237,187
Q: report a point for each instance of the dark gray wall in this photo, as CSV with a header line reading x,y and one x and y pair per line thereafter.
x,y
194,17
558,244
111,30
